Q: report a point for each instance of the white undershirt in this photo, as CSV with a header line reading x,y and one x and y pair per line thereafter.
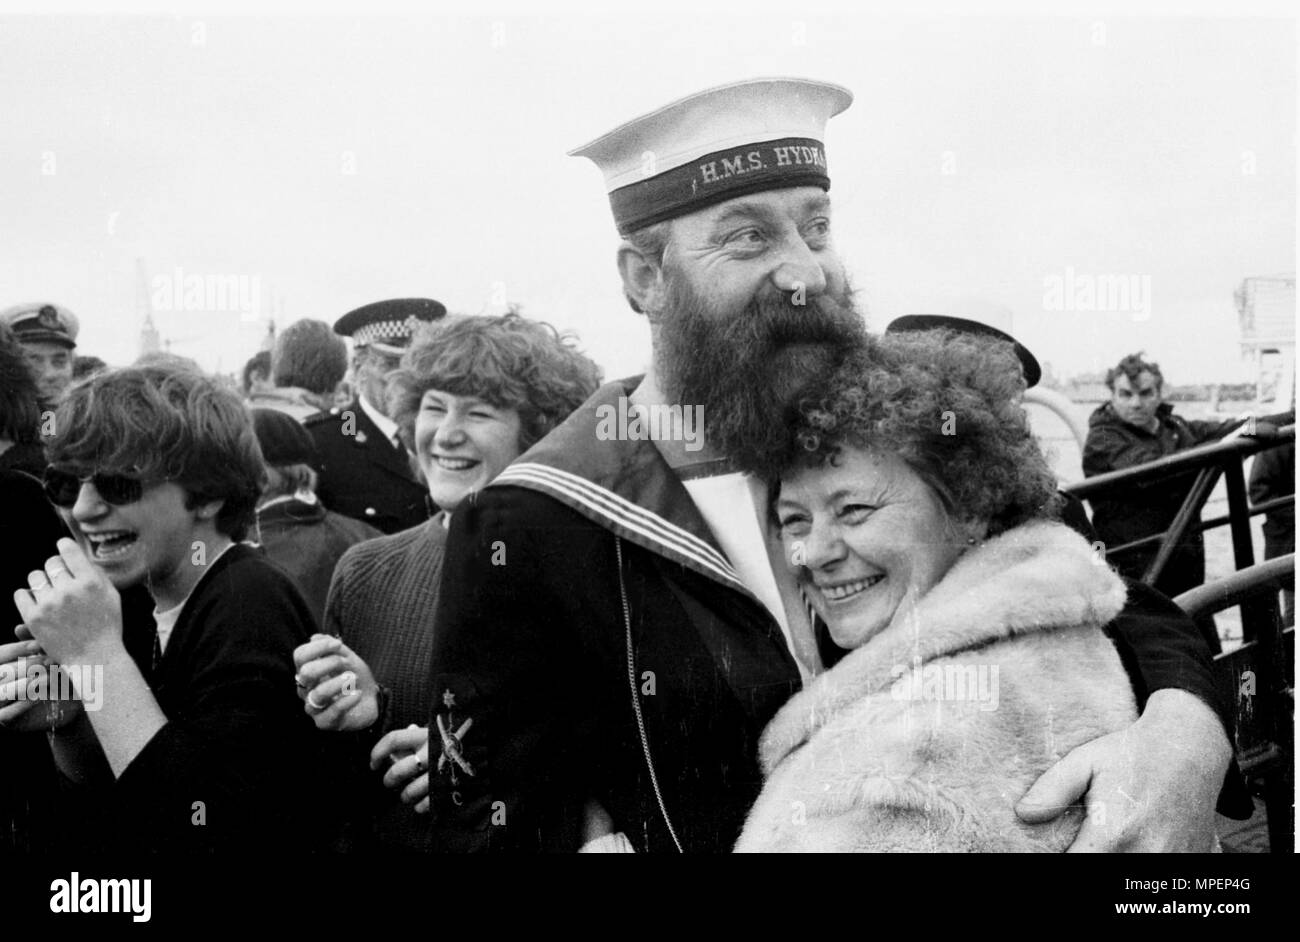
x,y
734,507
166,621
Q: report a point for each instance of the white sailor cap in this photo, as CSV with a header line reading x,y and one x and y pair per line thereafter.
x,y
759,134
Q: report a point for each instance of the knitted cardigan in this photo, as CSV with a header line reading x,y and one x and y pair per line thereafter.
x,y
381,603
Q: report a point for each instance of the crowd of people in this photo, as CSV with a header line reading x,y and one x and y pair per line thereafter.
x,y
414,598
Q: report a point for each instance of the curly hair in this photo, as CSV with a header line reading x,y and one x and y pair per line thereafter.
x,y
20,411
165,422
947,404
1134,366
508,361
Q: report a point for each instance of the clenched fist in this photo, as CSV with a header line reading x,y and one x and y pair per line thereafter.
x,y
71,608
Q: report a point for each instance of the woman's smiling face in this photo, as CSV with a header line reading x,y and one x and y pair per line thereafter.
x,y
462,443
863,535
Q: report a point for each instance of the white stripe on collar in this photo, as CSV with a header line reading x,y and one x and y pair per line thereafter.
x,y
622,512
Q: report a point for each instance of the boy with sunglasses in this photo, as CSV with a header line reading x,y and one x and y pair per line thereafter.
x,y
197,740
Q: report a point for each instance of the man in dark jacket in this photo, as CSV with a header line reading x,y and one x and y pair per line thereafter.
x,y
1136,427
616,624
1273,476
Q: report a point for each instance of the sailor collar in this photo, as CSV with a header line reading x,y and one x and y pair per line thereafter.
x,y
622,484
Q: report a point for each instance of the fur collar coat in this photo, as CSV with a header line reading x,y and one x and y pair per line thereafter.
x,y
924,738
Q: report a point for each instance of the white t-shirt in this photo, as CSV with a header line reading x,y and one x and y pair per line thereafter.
x,y
166,621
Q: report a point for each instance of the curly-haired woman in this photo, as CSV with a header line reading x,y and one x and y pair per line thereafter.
x,y
472,394
918,516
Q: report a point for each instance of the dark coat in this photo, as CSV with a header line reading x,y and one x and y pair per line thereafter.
x,y
530,646
362,474
1142,510
236,737
1273,476
29,529
307,541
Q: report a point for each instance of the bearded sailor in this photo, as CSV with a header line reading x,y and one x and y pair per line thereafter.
x,y
616,617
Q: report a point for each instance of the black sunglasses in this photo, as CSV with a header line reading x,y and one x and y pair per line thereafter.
x,y
63,487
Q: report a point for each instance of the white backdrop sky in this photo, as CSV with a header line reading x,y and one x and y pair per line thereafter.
x,y
982,156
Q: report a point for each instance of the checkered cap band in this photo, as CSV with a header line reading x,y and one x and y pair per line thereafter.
x,y
393,333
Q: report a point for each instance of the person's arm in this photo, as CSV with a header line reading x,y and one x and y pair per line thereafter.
x,y
507,684
231,755
1164,650
1204,431
1261,426
237,745
77,619
1153,786
1108,449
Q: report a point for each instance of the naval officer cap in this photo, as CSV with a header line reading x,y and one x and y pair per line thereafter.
x,y
759,134
387,326
41,321
964,325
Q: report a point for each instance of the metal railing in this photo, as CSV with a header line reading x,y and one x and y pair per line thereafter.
x,y
1208,462
1261,676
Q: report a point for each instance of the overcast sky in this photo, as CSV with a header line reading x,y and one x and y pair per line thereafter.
x,y
331,162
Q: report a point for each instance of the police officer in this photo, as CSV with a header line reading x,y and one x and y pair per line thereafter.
x,y
365,470
48,335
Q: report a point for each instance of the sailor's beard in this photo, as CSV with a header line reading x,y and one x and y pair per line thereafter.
x,y
751,370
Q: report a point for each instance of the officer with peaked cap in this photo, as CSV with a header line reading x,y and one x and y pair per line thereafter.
x,y
48,334
617,624
366,472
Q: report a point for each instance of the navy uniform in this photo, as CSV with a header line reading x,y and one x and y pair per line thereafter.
x,y
600,634
365,473
596,543
48,335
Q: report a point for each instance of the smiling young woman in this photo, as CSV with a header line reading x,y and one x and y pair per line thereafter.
x,y
471,395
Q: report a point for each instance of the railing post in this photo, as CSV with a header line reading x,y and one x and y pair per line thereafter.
x,y
1187,514
1238,512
